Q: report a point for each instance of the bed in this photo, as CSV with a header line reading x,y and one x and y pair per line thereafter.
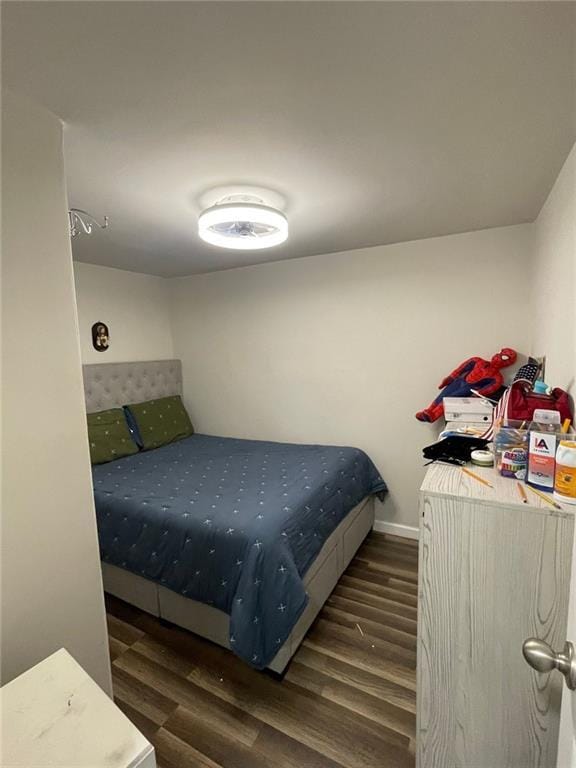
x,y
239,541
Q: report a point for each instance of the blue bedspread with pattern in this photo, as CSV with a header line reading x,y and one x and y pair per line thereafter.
x,y
232,523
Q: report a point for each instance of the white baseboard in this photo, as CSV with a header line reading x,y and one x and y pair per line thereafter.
x,y
408,531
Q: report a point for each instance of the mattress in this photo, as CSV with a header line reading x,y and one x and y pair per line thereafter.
x,y
234,524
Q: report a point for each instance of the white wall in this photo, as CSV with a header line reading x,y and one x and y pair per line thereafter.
x,y
135,307
554,284
51,583
345,348
554,334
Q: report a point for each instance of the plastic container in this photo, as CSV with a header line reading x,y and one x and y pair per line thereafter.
x,y
543,438
565,474
482,458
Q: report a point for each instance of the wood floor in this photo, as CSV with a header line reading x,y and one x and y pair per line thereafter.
x,y
348,699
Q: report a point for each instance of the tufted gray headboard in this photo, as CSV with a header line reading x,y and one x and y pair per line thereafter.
x,y
111,385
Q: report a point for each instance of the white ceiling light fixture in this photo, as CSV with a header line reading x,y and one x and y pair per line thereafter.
x,y
243,222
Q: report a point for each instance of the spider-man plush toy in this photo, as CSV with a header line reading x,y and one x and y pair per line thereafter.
x,y
481,375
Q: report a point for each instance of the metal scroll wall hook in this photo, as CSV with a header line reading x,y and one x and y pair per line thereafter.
x,y
82,221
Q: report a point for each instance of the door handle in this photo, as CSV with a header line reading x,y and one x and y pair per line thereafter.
x,y
542,658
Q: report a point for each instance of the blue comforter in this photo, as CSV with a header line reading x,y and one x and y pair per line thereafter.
x,y
232,523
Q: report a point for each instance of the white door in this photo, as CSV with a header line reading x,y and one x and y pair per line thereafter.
x,y
567,735
546,659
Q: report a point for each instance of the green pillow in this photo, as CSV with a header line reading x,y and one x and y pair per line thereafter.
x,y
109,436
161,421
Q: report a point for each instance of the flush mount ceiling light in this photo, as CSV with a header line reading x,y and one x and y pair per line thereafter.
x,y
243,222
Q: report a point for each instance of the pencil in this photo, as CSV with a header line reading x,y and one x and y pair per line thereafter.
x,y
476,477
522,492
544,497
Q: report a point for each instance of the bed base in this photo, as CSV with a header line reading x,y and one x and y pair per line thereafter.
x,y
213,624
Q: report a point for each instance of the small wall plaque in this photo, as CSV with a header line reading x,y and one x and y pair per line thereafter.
x,y
100,337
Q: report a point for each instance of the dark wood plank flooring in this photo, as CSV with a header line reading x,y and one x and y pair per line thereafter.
x,y
348,699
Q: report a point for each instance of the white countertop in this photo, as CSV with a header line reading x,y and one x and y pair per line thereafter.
x,y
55,715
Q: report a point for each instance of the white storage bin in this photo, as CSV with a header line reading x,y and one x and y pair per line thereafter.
x,y
473,410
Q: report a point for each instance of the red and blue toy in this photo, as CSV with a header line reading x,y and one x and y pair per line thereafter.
x,y
482,376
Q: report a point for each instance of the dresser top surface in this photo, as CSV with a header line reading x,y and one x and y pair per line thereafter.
x,y
448,480
55,715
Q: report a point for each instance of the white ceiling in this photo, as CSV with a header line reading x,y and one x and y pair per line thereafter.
x,y
375,122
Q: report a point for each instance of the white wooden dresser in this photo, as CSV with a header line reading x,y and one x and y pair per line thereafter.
x,y
493,572
55,715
